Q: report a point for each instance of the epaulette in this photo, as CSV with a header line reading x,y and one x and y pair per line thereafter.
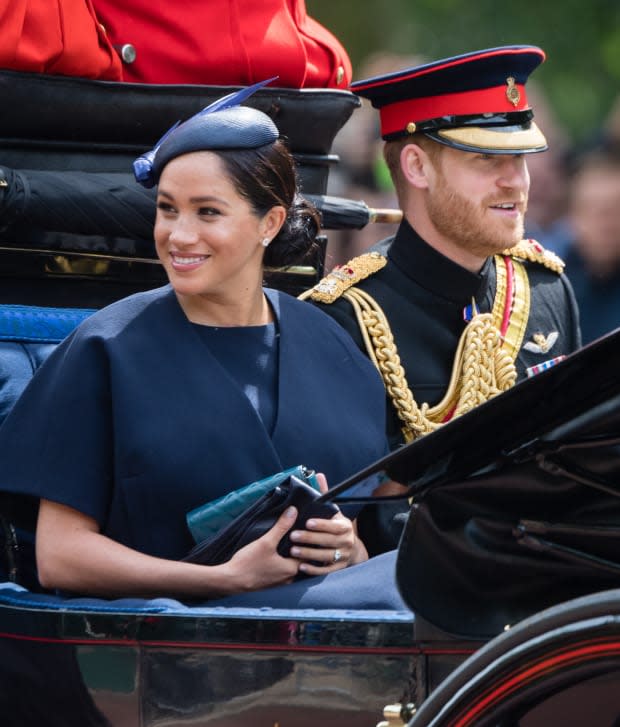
x,y
534,252
343,277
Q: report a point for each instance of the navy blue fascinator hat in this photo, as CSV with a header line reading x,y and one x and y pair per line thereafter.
x,y
224,124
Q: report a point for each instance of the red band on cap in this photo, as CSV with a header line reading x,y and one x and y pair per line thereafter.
x,y
396,116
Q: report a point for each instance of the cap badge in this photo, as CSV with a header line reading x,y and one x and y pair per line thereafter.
x,y
512,92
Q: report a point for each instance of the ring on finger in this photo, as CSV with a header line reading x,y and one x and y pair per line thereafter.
x,y
337,556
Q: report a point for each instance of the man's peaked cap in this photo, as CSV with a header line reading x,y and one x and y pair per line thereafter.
x,y
476,101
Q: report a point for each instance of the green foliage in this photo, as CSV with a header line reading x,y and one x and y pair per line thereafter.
x,y
582,40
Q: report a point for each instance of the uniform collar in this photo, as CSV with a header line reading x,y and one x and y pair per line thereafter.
x,y
433,271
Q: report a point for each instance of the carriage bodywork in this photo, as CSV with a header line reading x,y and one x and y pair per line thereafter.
x,y
160,662
91,661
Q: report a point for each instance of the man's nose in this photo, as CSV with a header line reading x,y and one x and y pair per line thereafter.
x,y
514,173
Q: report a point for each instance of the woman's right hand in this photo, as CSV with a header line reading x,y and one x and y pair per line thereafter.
x,y
259,565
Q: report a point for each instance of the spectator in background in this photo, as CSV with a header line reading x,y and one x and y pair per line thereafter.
x,y
593,260
611,127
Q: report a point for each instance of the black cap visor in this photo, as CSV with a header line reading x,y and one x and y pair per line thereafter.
x,y
506,133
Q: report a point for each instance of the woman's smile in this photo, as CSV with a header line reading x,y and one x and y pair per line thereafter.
x,y
186,262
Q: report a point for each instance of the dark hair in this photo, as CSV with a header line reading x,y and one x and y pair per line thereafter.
x,y
266,177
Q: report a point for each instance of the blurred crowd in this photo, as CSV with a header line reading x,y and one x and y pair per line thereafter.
x,y
573,210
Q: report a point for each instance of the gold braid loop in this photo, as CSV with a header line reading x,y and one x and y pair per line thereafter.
x,y
382,351
480,371
483,368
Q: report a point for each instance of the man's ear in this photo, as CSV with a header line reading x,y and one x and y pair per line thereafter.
x,y
415,164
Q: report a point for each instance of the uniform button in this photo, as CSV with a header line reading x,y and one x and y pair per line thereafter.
x,y
127,52
339,75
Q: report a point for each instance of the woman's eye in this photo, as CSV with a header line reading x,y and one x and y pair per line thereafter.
x,y
165,207
208,211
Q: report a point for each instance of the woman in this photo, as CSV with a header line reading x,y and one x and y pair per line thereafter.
x,y
172,397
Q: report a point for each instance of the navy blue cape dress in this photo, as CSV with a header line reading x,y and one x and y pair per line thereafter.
x,y
133,422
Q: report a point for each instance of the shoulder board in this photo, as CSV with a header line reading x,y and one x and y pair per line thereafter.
x,y
534,252
345,276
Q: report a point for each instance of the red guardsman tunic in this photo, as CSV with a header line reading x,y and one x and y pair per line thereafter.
x,y
61,37
234,42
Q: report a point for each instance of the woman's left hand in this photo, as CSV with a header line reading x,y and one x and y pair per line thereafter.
x,y
327,545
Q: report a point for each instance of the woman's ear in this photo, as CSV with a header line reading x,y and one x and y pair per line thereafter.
x,y
415,164
272,222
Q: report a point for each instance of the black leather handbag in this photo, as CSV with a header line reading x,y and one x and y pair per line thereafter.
x,y
260,517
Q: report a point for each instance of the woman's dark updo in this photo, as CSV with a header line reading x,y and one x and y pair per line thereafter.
x,y
266,177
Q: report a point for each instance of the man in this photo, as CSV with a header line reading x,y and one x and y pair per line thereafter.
x,y
456,307
593,258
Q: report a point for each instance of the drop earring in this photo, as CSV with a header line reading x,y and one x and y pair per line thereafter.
x,y
265,242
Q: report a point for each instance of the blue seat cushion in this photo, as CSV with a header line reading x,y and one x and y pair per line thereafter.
x,y
28,334
13,595
18,362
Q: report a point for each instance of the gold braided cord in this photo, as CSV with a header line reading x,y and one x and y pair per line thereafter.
x,y
484,362
481,369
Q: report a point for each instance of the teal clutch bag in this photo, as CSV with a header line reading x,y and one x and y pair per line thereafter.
x,y
208,519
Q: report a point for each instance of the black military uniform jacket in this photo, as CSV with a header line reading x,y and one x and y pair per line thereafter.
x,y
423,295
